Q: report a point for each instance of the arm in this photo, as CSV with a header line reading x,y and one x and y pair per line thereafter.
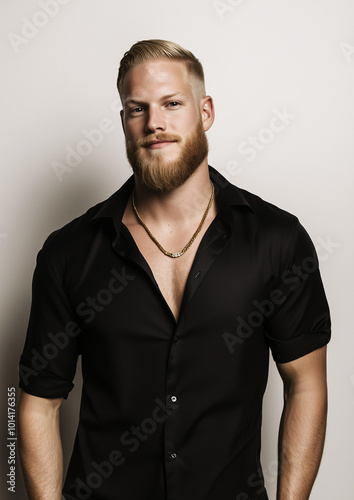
x,y
40,448
303,424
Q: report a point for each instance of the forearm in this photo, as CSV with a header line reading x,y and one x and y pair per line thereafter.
x,y
40,451
301,440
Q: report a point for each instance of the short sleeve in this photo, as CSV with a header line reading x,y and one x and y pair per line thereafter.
x,y
48,362
301,319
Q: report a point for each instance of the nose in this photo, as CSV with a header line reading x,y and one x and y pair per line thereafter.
x,y
155,120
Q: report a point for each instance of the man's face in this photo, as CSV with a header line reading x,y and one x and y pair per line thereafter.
x,y
162,122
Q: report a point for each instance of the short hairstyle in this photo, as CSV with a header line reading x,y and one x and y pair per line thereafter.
x,y
146,50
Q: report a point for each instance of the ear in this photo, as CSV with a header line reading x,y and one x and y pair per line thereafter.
x,y
207,112
122,119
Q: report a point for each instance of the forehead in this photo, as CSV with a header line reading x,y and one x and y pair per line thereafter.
x,y
159,75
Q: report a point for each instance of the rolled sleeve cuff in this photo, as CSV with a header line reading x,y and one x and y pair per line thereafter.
x,y
42,383
284,351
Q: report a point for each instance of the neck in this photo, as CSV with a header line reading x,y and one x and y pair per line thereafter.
x,y
183,204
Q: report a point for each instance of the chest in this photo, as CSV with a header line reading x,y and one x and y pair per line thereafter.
x,y
126,322
171,274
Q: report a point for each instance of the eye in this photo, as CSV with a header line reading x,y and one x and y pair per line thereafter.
x,y
173,104
136,111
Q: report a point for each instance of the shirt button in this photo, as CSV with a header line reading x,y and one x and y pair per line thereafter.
x,y
173,455
175,339
173,399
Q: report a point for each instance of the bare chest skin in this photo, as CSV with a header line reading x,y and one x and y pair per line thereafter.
x,y
170,273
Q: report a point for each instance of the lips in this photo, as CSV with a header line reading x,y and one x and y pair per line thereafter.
x,y
157,141
158,144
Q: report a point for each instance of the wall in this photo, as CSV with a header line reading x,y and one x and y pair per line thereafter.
x,y
60,60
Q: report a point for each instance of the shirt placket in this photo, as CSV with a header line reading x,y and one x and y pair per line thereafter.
x,y
213,242
211,246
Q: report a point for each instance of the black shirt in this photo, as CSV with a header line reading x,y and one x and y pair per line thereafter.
x,y
172,410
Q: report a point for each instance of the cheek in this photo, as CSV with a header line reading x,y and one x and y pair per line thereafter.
x,y
191,120
182,125
132,129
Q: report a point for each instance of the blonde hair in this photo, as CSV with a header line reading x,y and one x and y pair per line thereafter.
x,y
146,50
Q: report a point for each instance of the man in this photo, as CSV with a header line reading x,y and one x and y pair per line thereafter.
x,y
172,291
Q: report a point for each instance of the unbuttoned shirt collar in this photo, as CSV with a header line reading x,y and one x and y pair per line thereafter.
x,y
227,196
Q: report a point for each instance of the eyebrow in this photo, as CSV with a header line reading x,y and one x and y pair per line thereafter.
x,y
163,98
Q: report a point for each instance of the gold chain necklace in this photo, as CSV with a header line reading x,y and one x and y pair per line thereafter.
x,y
185,248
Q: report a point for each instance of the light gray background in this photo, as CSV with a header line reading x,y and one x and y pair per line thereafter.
x,y
59,80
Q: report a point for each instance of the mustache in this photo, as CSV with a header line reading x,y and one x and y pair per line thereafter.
x,y
146,141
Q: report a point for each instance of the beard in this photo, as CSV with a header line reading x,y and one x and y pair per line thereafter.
x,y
161,175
